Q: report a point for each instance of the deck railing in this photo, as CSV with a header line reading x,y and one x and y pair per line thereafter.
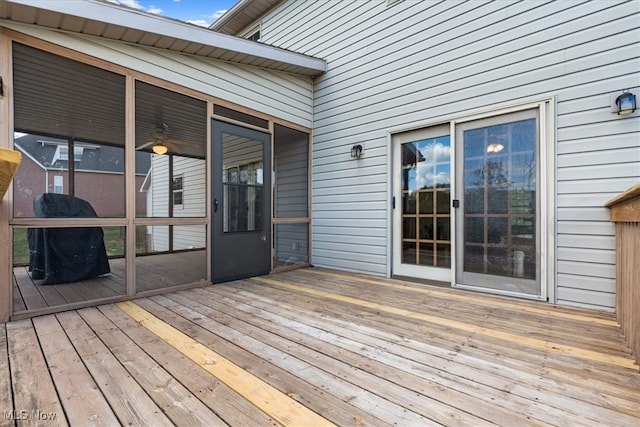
x,y
625,212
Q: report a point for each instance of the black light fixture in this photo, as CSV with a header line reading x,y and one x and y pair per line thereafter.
x,y
626,103
356,151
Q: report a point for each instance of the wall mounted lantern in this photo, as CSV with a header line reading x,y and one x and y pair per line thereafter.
x,y
356,151
626,103
160,148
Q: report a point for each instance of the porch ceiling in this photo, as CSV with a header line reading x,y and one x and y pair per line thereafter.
x,y
60,97
115,22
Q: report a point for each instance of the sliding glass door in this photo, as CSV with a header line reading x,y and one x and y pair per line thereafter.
x,y
498,232
422,195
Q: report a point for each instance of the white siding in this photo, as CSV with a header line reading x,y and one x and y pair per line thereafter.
x,y
194,184
159,186
279,94
193,172
422,62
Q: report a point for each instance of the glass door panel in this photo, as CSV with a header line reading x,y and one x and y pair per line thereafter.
x,y
241,211
422,242
499,204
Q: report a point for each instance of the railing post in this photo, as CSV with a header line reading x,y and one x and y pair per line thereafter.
x,y
625,212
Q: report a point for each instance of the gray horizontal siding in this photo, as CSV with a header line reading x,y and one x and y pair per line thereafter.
x,y
279,94
410,63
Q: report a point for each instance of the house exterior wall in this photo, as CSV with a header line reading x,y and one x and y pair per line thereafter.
x,y
97,188
30,177
406,63
89,184
194,174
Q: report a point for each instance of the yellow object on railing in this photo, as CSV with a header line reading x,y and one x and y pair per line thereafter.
x,y
9,162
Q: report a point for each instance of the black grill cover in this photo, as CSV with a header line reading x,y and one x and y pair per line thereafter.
x,y
62,255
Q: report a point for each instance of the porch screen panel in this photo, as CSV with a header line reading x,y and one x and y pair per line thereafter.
x,y
54,95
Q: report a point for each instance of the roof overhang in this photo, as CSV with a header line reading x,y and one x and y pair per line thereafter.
x,y
242,14
111,21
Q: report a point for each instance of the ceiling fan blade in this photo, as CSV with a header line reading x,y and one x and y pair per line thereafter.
x,y
183,142
145,145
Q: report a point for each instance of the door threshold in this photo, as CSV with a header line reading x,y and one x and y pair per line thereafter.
x,y
422,281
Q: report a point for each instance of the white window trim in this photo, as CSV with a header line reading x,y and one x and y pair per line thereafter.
x,y
257,27
58,184
547,108
174,191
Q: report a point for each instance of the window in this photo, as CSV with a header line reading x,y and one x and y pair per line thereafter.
x,y
58,184
178,186
253,33
62,153
426,186
499,216
255,36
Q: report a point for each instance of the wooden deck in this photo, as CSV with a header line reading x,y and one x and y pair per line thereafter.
x,y
153,272
314,347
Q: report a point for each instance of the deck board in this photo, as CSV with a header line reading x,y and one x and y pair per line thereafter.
x,y
278,367
5,373
355,350
18,301
306,343
83,402
153,272
178,403
33,299
35,397
487,378
130,402
217,396
429,363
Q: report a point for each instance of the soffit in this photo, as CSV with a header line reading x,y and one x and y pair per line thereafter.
x,y
115,22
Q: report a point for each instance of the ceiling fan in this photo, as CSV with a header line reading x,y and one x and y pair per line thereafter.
x,y
161,143
159,138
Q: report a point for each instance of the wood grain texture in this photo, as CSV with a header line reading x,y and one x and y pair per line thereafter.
x,y
626,211
283,409
352,349
81,398
153,274
34,393
174,399
129,401
628,283
9,162
6,393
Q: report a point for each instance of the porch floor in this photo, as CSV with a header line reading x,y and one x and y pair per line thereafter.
x,y
154,272
315,347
